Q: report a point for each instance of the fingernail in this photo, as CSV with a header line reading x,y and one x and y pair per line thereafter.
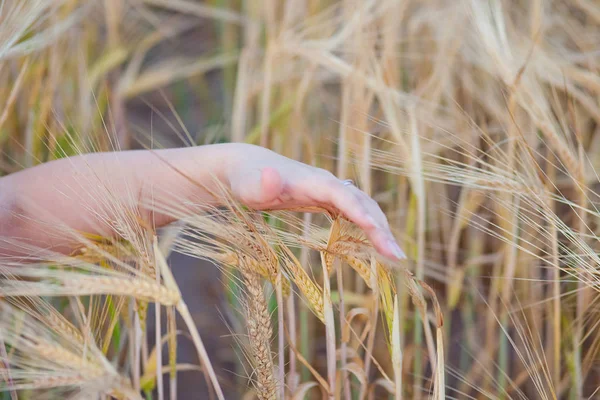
x,y
396,250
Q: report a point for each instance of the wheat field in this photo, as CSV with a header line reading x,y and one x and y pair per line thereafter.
x,y
474,124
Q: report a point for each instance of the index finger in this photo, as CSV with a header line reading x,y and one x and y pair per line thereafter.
x,y
354,205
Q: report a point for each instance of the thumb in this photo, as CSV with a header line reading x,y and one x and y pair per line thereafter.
x,y
258,188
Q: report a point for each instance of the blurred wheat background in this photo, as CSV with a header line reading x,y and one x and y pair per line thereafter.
x,y
475,125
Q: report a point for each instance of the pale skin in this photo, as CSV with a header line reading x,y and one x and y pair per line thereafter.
x,y
67,190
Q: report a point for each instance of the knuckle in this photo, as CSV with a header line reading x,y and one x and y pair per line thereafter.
x,y
332,182
325,173
372,202
364,198
335,184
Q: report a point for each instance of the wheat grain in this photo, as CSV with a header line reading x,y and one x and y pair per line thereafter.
x,y
137,288
260,333
58,355
260,268
311,291
58,323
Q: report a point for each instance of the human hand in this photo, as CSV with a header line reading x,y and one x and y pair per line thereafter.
x,y
265,180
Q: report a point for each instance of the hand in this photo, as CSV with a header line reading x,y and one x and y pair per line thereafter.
x,y
264,180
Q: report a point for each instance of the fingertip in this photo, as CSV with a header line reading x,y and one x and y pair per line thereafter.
x,y
388,247
397,252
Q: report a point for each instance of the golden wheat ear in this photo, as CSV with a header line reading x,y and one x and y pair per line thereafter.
x,y
260,333
45,358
